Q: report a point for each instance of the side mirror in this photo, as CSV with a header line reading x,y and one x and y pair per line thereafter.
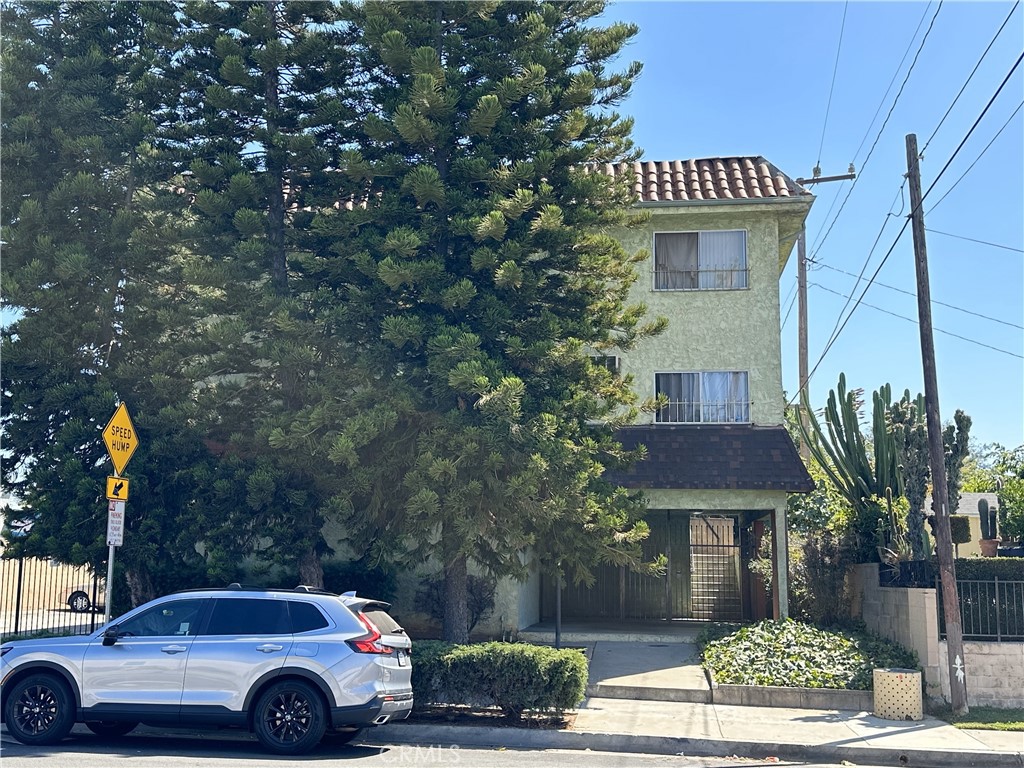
x,y
110,635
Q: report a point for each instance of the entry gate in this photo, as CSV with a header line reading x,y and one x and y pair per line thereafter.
x,y
705,577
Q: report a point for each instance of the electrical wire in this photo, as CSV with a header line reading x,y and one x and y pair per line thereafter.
x,y
906,223
978,157
916,322
878,136
831,88
970,76
972,240
934,301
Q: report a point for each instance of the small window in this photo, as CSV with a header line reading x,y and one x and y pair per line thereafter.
x,y
177,617
610,362
306,617
382,620
249,616
700,261
705,396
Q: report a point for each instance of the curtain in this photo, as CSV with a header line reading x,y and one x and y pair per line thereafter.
x,y
683,393
723,260
725,396
675,260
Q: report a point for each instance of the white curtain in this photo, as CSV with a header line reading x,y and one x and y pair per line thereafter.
x,y
723,260
725,396
675,260
683,393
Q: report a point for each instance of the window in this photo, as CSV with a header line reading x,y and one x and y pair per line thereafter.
x,y
178,617
306,617
708,396
610,362
249,616
700,261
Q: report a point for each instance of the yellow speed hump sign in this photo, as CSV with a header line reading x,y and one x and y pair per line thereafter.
x,y
120,438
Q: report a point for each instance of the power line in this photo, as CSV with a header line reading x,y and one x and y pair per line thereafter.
x,y
972,240
906,222
835,68
979,156
934,301
915,322
878,136
970,76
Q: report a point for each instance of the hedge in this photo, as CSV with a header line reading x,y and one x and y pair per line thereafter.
x,y
987,568
516,677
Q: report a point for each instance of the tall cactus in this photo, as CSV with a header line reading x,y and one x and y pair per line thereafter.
x,y
907,425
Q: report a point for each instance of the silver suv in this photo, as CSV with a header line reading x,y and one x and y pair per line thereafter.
x,y
288,664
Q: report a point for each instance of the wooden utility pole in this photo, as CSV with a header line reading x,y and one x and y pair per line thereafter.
x,y
801,284
940,505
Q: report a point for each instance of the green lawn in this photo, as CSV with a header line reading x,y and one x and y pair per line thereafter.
x,y
984,718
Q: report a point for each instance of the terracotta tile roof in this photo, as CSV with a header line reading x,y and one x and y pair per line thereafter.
x,y
742,457
713,178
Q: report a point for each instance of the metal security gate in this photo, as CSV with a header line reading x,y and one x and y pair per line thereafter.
x,y
39,595
704,578
716,568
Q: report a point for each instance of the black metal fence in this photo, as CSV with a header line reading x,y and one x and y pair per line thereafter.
x,y
46,596
989,610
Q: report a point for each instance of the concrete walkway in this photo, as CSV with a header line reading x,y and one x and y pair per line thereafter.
x,y
651,697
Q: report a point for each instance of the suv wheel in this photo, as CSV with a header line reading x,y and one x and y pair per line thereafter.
x,y
289,718
110,728
39,710
79,602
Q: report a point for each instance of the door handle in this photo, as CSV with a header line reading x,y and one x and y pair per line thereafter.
x,y
268,648
172,649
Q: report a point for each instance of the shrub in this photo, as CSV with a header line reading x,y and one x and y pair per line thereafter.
x,y
791,654
987,568
515,677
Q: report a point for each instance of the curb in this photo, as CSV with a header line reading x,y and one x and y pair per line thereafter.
x,y
522,738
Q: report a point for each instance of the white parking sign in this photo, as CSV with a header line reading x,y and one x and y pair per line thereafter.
x,y
115,523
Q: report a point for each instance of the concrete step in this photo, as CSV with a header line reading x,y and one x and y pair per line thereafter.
x,y
649,693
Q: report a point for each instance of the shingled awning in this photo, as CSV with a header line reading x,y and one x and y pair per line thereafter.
x,y
739,457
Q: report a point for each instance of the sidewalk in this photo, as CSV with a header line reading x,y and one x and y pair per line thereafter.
x,y
651,698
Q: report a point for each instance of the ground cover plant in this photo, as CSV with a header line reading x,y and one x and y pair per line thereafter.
x,y
795,655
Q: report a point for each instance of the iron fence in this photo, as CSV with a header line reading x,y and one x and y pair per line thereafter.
x,y
41,595
989,610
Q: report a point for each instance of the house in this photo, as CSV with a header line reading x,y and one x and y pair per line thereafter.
x,y
720,462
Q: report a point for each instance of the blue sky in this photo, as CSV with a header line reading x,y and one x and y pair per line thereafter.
x,y
737,78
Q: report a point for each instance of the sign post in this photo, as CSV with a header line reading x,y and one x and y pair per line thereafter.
x,y
121,441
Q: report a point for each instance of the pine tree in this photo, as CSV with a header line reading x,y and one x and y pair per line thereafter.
x,y
96,283
474,267
262,97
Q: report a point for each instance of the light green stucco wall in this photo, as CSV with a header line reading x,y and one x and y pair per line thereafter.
x,y
717,330
714,500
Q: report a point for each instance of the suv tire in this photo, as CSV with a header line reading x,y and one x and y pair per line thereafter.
x,y
110,728
79,602
289,718
39,710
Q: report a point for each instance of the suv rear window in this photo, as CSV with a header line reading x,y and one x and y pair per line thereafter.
x,y
249,616
382,620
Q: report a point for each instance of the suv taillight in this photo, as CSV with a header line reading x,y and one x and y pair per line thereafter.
x,y
370,642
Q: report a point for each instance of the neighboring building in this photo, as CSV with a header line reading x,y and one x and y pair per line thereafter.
x,y
720,463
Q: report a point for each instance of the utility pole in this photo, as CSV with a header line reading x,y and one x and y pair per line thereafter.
x,y
943,538
802,301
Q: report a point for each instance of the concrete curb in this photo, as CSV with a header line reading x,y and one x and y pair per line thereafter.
x,y
523,738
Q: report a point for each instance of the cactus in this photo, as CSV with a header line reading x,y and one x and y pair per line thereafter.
x,y
987,515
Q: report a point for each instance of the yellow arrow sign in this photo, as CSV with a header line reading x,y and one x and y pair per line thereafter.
x,y
120,438
117,488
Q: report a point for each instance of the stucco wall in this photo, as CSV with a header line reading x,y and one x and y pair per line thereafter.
x,y
714,330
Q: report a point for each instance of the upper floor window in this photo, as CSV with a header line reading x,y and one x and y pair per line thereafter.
x,y
700,261
610,362
705,396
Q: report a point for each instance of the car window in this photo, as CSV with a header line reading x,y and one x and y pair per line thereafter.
x,y
177,617
382,620
306,617
249,616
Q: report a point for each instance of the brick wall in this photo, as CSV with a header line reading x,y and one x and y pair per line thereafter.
x,y
995,674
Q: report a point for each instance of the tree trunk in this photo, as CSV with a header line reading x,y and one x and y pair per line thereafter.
x,y
311,572
140,585
455,628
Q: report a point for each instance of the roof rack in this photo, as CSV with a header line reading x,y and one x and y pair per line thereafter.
x,y
236,586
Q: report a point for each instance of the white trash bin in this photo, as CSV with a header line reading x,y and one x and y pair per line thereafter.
x,y
898,694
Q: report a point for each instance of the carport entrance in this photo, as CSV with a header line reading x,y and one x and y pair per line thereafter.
x,y
705,578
